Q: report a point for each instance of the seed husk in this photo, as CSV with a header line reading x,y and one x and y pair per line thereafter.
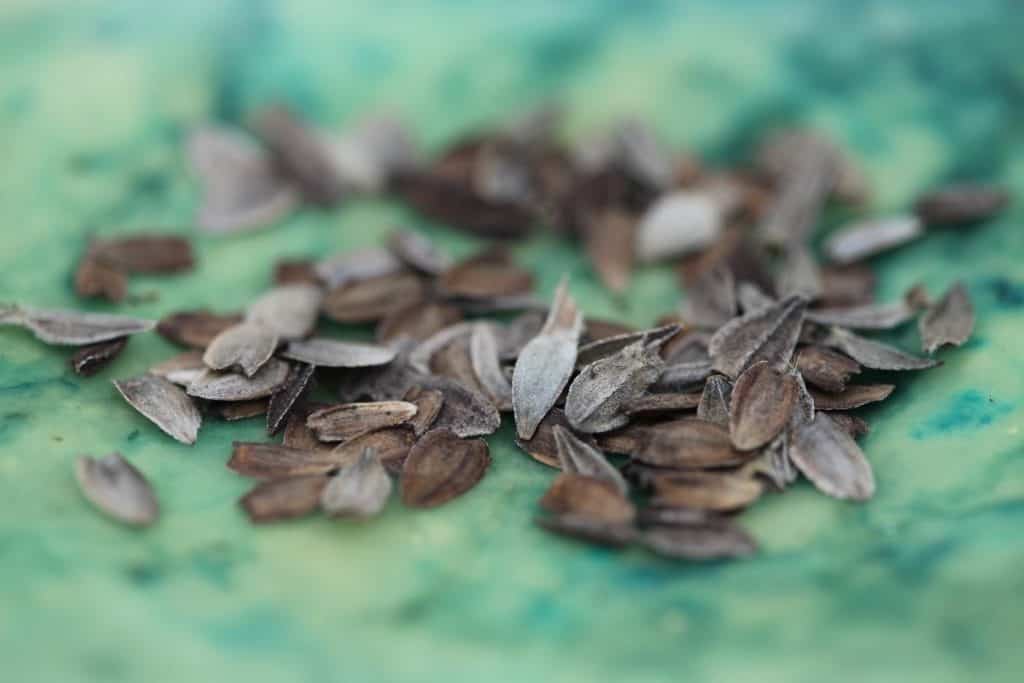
x,y
373,298
281,499
145,253
442,467
301,379
483,354
246,346
453,361
863,239
588,529
850,285
72,328
718,540
774,463
949,321
88,360
274,461
831,459
853,396
421,356
546,364
659,404
289,311
360,489
677,223
873,354
182,368
195,329
391,444
589,497
331,353
484,276
768,333
608,241
825,368
683,376
687,443
357,265
298,435
118,488
300,156
429,403
348,420
609,340
517,334
799,274
864,317
164,404
961,204
575,456
711,300
241,188
418,252
714,491
542,447
232,411
417,321
231,386
94,279
761,404
464,412
715,400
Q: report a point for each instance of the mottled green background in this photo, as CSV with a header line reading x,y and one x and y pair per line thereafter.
x,y
925,583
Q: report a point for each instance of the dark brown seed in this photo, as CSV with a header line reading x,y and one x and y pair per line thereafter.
x,y
863,239
349,420
542,447
608,241
163,404
576,456
418,252
283,401
768,333
588,529
117,488
453,361
686,346
831,459
961,204
294,272
195,329
588,497
853,425
232,411
687,443
373,298
279,499
485,276
145,253
246,346
89,360
230,386
273,461
599,329
716,491
298,435
428,404
851,285
853,396
659,404
717,540
289,311
825,368
711,301
873,354
331,353
421,356
762,402
715,401
864,317
949,321
441,467
300,156
360,489
71,328
96,279
418,321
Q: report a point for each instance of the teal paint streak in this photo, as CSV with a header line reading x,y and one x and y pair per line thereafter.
x,y
969,410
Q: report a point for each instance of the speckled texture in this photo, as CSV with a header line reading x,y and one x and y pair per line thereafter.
x,y
923,584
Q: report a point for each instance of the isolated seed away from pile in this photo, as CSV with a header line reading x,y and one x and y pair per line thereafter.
x,y
656,438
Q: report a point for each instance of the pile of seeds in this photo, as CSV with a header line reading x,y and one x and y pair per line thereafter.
x,y
746,387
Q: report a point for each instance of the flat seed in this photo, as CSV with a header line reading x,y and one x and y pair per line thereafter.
x,y
89,360
418,252
232,411
517,334
706,541
349,420
612,340
831,459
359,490
145,253
576,456
653,516
677,223
453,361
949,321
774,463
542,447
546,364
421,356
374,298
851,285
182,368
768,333
464,412
241,189
864,317
391,445
752,298
683,376
961,204
863,239
195,329
851,424
280,499
283,401
247,346
483,354
117,488
799,274
659,404
331,353
588,529
359,264
96,279
300,156
688,443
230,386
762,402
711,301
853,396
428,404
714,491
289,311
72,328
163,404
608,241
417,321
273,461
715,401
589,497
442,467
295,272
298,435
483,277
824,368
873,354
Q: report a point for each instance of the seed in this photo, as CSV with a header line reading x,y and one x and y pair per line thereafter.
x,y
331,353
711,300
144,253
949,321
831,459
853,396
357,265
163,404
825,368
464,412
863,239
300,156
417,321
181,369
283,401
72,328
660,404
799,274
232,411
715,491
360,489
442,467
418,252
485,275
960,204
489,375
542,447
687,443
295,272
864,317
676,224
873,354
280,499
589,497
768,333
429,403
576,456
373,299
195,329
230,386
117,488
704,541
608,241
96,279
273,461
88,360
289,311
348,420
761,404
715,401
850,285
246,346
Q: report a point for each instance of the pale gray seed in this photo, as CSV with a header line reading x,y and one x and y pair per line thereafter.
x,y
831,459
483,353
360,489
575,456
949,321
332,353
873,354
289,311
117,488
247,346
230,386
164,404
72,328
862,239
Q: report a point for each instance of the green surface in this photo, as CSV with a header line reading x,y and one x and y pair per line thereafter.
x,y
924,583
